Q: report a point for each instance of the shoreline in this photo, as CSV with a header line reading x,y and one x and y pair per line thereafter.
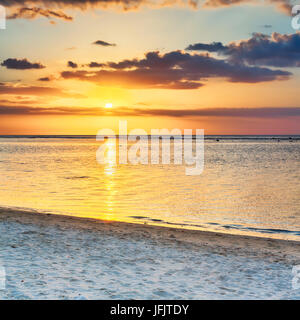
x,y
263,247
49,256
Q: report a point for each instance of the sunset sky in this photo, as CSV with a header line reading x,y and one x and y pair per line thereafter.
x,y
229,67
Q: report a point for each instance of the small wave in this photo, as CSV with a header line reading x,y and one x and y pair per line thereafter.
x,y
166,222
77,177
262,230
221,226
138,217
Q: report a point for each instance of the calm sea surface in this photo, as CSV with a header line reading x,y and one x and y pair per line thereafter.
x,y
250,184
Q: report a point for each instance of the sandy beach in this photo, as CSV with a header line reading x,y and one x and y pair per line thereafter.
x,y
62,257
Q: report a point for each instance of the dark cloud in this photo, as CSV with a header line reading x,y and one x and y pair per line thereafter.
x,y
224,112
173,70
72,65
35,12
86,4
104,43
213,47
263,113
276,50
284,6
45,79
25,110
95,65
21,64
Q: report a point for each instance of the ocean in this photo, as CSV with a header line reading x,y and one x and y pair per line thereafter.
x,y
250,185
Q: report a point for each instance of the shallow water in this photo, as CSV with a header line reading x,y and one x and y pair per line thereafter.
x,y
250,185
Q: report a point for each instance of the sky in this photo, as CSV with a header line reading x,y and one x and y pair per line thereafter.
x,y
77,66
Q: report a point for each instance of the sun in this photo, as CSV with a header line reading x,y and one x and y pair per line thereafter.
x,y
108,105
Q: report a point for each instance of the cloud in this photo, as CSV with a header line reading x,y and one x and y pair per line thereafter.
x,y
213,47
86,4
22,64
25,110
276,50
95,65
266,112
18,100
282,5
72,65
104,43
35,12
262,113
11,89
173,70
44,79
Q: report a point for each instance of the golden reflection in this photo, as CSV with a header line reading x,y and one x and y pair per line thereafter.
x,y
109,181
110,157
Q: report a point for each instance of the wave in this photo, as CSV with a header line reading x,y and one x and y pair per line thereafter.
x,y
222,226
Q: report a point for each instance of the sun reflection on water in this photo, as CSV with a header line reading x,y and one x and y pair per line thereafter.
x,y
109,178
110,157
